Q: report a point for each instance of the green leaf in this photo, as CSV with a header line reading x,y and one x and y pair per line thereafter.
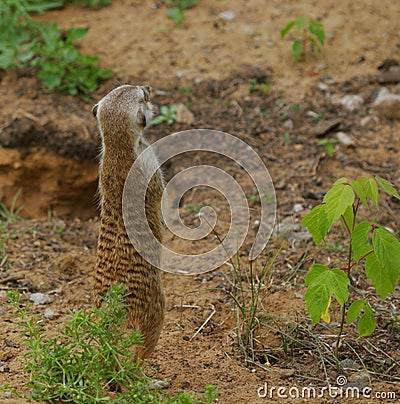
x,y
387,187
43,6
315,43
301,22
380,276
340,282
337,199
322,284
158,119
317,223
297,48
314,274
359,238
176,14
371,189
317,29
287,28
354,311
74,34
50,80
348,216
360,191
387,250
366,324
318,295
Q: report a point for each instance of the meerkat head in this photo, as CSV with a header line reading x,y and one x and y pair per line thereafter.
x,y
126,109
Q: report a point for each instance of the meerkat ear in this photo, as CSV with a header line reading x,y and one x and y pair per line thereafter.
x,y
94,110
146,91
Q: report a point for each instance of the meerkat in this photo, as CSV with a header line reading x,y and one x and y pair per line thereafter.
x,y
122,116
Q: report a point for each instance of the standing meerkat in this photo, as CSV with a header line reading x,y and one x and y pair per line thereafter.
x,y
122,116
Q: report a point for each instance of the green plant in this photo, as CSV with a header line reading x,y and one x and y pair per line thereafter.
x,y
186,90
286,139
318,116
24,42
268,197
313,32
370,247
60,229
248,284
10,215
93,3
255,86
329,144
176,13
167,114
192,208
92,360
62,66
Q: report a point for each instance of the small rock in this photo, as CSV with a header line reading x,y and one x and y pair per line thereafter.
x,y
7,394
227,15
291,231
298,207
48,313
161,93
39,298
271,44
325,126
286,373
288,124
361,376
312,114
387,104
369,120
323,87
248,30
352,102
183,114
345,139
348,364
180,74
382,93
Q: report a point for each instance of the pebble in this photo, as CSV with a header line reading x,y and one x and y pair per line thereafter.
x,y
248,30
288,124
361,376
387,104
368,120
298,207
352,102
48,313
227,15
183,114
161,93
349,364
291,231
39,298
323,87
345,139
